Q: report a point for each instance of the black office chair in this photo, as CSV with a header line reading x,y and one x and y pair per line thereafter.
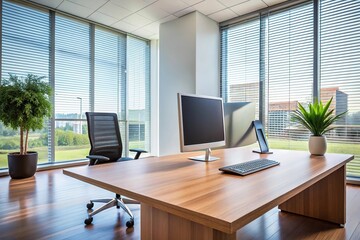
x,y
106,147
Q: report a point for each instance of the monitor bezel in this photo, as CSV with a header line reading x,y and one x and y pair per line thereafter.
x,y
200,146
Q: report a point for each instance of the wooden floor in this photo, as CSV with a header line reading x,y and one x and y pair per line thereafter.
x,y
52,206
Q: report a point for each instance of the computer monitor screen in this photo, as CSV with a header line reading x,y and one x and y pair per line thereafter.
x,y
201,121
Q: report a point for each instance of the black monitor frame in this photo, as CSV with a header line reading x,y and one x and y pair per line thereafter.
x,y
200,146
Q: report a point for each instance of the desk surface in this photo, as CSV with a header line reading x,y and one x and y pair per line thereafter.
x,y
199,192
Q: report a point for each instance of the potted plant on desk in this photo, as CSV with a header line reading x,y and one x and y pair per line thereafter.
x,y
318,120
24,103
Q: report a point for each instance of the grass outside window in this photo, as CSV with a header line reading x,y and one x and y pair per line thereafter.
x,y
353,169
64,152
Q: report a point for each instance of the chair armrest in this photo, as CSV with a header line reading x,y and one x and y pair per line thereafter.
x,y
95,158
138,152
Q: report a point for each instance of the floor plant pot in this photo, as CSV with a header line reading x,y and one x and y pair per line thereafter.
x,y
22,166
317,145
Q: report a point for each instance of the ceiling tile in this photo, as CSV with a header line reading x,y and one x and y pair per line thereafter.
x,y
222,15
167,19
137,20
52,4
209,6
152,27
192,2
75,9
114,11
248,7
92,4
133,5
102,18
153,12
171,6
124,26
230,3
184,12
273,2
143,33
143,17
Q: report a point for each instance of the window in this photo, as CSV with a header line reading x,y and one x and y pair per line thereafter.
x,y
94,69
139,93
72,88
240,63
340,74
289,73
285,44
25,49
110,75
110,72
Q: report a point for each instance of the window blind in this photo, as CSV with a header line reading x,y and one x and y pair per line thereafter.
x,y
289,73
110,76
25,40
138,91
72,68
25,49
340,74
105,71
110,72
72,87
286,62
240,63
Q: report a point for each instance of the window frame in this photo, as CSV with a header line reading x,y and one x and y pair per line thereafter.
x,y
316,52
52,13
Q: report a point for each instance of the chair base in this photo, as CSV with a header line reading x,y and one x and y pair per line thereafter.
x,y
117,202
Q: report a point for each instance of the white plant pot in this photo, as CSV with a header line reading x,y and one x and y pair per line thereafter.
x,y
317,145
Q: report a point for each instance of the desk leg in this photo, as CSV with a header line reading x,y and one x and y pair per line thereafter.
x,y
159,225
325,200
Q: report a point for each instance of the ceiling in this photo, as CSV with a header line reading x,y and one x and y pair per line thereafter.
x,y
143,17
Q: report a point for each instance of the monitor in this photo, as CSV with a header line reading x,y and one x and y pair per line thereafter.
x,y
239,117
201,124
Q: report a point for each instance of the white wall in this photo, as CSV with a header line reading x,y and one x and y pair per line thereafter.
x,y
188,63
207,56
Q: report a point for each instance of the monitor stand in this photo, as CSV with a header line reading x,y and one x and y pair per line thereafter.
x,y
261,152
206,157
260,135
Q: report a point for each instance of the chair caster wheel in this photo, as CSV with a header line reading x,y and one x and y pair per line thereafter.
x,y
88,221
90,205
130,223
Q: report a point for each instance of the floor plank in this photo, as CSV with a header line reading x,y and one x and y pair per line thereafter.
x,y
51,205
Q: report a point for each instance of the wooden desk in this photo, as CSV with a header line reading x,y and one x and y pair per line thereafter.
x,y
184,199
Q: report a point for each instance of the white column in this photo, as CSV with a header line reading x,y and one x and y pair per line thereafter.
x,y
188,63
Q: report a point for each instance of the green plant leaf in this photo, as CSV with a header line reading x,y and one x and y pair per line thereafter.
x,y
318,119
24,102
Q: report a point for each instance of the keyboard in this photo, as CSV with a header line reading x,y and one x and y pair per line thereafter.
x,y
246,168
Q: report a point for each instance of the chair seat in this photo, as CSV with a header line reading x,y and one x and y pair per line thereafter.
x,y
124,159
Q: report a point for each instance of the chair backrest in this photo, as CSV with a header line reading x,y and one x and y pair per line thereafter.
x,y
104,135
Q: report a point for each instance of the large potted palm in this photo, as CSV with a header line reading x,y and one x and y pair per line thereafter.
x,y
24,103
318,119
